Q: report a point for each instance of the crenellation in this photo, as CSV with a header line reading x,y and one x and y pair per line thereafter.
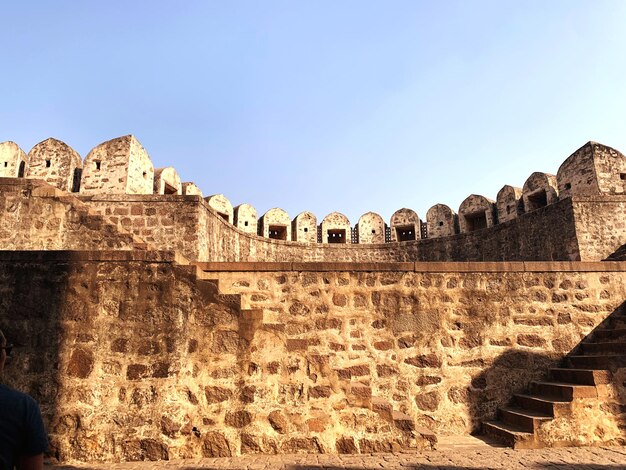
x,y
245,218
167,181
56,163
405,225
336,228
441,221
122,166
276,224
509,203
371,228
476,213
222,206
540,190
12,160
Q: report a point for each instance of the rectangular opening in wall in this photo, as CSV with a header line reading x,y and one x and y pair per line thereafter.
x,y
405,233
278,232
476,221
98,164
223,216
622,176
20,173
48,163
336,236
169,189
78,172
537,200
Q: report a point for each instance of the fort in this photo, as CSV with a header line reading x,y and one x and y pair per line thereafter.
x,y
155,323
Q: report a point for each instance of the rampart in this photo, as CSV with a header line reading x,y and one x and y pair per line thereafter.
x,y
560,217
155,325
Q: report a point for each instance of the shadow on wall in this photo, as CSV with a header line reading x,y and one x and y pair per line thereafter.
x,y
510,373
32,301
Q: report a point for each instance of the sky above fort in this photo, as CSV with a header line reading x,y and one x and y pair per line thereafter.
x,y
352,106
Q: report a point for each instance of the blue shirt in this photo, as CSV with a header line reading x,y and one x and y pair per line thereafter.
x,y
21,427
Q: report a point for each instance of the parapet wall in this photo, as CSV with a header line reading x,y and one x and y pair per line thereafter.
x,y
133,357
188,225
122,168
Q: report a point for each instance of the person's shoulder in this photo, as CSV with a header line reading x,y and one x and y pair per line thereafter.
x,y
15,396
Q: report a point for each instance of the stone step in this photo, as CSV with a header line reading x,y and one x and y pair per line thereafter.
x,y
597,361
527,420
563,390
603,347
581,376
609,333
510,435
545,405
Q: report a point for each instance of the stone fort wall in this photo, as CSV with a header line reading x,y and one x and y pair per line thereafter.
x,y
135,357
118,180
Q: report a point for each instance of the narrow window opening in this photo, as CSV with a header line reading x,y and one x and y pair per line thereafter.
x,y
622,176
20,172
97,162
306,229
145,175
569,185
245,224
406,233
508,209
336,236
537,200
78,172
441,223
48,163
476,221
6,164
373,232
278,232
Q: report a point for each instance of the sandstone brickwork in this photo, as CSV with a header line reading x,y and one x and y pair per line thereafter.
x,y
191,189
222,206
275,223
304,228
540,189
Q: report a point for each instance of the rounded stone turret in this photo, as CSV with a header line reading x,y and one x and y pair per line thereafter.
x,y
245,218
371,228
336,228
167,181
405,225
56,163
118,166
304,228
509,203
276,224
222,206
591,170
476,212
441,221
12,160
539,190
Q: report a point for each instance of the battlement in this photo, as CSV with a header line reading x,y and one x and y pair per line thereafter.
x,y
122,167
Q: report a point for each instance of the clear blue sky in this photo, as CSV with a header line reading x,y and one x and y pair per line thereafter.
x,y
322,105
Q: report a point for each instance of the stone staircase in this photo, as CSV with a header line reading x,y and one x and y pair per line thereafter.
x,y
583,376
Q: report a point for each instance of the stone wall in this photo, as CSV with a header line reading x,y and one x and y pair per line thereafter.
x,y
133,357
188,225
36,216
600,225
